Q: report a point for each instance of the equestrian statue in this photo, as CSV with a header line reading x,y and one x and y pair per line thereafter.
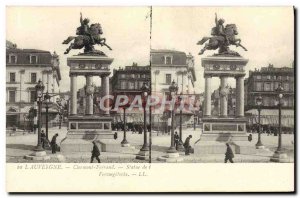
x,y
222,37
88,36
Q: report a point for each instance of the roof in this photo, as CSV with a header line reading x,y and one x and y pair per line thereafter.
x,y
23,56
166,51
26,51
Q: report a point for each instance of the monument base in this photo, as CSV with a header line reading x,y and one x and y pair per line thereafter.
x,y
83,130
219,131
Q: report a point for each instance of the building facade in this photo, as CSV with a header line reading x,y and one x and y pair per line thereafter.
x,y
24,67
129,81
264,83
166,66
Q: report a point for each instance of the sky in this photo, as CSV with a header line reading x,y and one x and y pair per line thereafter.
x,y
267,33
126,29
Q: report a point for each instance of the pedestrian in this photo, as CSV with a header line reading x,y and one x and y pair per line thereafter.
x,y
250,137
229,154
187,145
95,153
53,143
176,140
43,138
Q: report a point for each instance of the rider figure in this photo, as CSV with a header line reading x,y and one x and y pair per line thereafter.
x,y
85,29
220,29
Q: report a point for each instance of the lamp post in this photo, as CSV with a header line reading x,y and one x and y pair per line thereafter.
x,y
279,155
180,146
47,101
172,154
144,151
259,144
39,91
39,152
124,142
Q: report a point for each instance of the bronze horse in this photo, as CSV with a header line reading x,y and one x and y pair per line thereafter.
x,y
216,42
81,41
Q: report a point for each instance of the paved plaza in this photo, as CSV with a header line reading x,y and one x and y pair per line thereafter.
x,y
19,145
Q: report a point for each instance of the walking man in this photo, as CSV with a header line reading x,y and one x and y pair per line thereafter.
x,y
95,153
176,140
229,154
53,143
187,145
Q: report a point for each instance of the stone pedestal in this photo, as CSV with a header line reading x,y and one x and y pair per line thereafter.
x,y
83,129
223,129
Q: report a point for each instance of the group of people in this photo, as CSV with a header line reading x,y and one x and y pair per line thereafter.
x,y
52,144
187,145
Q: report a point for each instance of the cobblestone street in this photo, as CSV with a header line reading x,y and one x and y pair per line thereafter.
x,y
19,145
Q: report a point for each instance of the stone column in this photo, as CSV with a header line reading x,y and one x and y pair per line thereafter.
x,y
240,96
89,96
223,97
105,91
73,94
207,101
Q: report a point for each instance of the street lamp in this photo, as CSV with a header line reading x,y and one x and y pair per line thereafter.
x,y
47,101
143,154
124,142
180,146
259,144
39,92
39,153
173,91
279,155
172,154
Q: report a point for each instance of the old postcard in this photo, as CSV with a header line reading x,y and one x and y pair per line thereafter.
x,y
150,99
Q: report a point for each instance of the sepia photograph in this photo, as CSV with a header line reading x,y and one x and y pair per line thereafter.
x,y
185,86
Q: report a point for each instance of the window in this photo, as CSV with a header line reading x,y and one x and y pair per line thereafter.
x,y
286,86
33,59
123,84
268,77
130,85
168,60
267,101
33,77
12,77
267,87
141,84
122,76
258,77
12,96
258,86
12,59
32,96
168,78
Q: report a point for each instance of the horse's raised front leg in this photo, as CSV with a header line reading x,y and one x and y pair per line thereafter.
x,y
203,49
69,48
